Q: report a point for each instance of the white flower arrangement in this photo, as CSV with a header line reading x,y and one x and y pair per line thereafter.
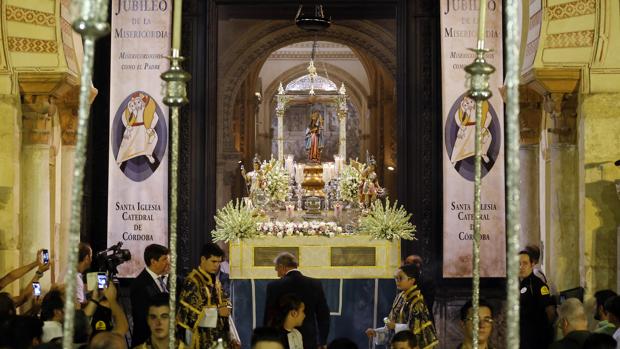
x,y
235,221
277,180
387,222
349,183
282,229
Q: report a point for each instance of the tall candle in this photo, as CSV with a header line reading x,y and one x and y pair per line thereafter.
x,y
176,25
482,16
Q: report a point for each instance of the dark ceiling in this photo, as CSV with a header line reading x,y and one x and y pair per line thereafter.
x,y
280,9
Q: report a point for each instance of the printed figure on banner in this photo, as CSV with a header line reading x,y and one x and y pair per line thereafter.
x,y
461,136
139,136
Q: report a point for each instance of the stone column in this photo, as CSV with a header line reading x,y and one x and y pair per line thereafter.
x,y
564,192
68,123
37,114
10,198
529,127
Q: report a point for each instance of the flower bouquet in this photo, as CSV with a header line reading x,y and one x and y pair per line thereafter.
x,y
313,228
277,180
387,222
235,221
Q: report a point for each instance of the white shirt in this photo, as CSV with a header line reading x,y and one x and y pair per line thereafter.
x,y
51,330
156,279
79,288
617,338
295,340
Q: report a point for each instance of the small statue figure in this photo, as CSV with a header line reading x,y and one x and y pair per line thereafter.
x,y
369,188
254,180
314,138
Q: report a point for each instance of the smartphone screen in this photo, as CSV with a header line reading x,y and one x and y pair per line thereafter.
x,y
102,281
36,287
46,256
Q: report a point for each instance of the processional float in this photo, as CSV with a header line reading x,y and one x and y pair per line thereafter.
x,y
92,23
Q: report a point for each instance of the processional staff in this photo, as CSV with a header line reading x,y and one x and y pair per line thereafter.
x,y
91,24
176,97
479,72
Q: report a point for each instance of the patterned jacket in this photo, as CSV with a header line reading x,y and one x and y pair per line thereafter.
x,y
409,308
200,292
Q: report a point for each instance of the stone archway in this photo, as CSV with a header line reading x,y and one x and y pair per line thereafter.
x,y
375,46
362,36
358,95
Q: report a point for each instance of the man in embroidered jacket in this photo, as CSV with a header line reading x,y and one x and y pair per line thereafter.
x,y
201,300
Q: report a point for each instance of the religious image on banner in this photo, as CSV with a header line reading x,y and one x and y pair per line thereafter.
x,y
460,136
139,136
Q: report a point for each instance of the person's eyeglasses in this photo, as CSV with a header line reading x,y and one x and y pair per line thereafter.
x,y
483,321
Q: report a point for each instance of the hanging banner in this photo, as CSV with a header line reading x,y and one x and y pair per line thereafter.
x,y
459,24
138,160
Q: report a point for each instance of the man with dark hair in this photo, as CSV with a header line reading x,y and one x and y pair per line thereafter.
x,y
534,252
405,340
158,320
266,338
603,326
612,306
203,307
150,283
22,332
537,310
52,314
85,259
485,324
309,290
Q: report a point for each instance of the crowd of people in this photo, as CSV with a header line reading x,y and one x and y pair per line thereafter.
x,y
296,310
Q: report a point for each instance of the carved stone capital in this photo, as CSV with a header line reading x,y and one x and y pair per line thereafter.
x,y
37,112
561,109
68,114
530,116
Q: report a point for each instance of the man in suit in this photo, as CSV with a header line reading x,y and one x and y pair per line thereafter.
x,y
315,327
150,283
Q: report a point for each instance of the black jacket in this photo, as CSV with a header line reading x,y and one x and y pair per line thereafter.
x,y
143,290
316,324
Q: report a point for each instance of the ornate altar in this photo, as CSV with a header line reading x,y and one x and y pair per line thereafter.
x,y
327,213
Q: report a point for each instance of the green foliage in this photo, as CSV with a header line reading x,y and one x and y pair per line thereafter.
x,y
387,222
235,221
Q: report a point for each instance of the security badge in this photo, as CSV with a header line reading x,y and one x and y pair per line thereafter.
x,y
544,290
523,290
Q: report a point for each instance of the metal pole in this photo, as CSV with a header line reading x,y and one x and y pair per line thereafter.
x,y
176,96
512,171
479,72
92,23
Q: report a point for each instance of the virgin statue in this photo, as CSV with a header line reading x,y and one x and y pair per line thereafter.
x,y
314,139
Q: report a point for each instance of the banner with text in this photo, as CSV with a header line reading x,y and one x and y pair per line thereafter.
x,y
138,160
459,23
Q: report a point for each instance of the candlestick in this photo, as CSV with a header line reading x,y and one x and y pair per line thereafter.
x,y
176,25
482,16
